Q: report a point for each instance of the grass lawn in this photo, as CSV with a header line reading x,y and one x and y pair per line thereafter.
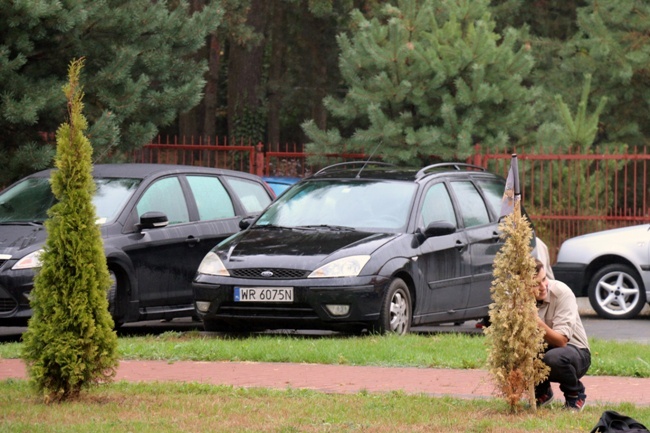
x,y
609,358
139,408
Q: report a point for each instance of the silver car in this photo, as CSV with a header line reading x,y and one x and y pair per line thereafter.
x,y
612,267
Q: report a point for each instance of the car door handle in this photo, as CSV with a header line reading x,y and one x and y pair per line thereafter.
x,y
496,237
460,246
191,240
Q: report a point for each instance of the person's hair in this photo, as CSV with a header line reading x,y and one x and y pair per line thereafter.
x,y
538,266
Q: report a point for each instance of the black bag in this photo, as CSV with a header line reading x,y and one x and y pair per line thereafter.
x,y
613,422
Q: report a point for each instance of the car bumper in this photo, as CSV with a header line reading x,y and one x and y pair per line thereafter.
x,y
573,275
15,287
309,308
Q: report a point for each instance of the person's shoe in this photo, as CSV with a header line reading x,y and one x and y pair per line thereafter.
x,y
483,323
544,398
576,403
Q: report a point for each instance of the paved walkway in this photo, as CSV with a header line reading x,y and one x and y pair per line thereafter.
x,y
348,379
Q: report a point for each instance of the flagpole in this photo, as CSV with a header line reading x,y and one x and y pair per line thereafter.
x,y
515,164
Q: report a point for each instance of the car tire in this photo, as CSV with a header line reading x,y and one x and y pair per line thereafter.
x,y
396,314
616,292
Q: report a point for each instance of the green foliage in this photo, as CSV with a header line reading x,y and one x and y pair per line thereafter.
x,y
429,78
140,69
249,126
612,45
70,343
548,19
515,341
584,189
581,131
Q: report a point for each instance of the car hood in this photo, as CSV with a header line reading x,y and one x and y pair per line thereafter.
x,y
21,239
296,248
624,241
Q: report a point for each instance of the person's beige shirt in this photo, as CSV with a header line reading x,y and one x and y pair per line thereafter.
x,y
559,310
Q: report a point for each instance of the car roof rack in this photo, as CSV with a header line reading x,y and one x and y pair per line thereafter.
x,y
456,165
354,163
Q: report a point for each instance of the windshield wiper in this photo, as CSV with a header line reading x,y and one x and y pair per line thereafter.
x,y
270,226
21,223
330,227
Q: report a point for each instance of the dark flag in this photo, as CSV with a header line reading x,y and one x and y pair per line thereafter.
x,y
512,193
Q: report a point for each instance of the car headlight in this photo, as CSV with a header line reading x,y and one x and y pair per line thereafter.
x,y
212,265
32,260
345,267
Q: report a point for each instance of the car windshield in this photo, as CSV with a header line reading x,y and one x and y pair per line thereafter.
x,y
30,199
369,205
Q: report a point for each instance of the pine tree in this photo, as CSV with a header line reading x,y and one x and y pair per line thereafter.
x,y
140,72
575,133
429,78
515,341
70,343
613,45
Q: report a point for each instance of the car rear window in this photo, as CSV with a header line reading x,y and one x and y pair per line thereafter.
x,y
252,194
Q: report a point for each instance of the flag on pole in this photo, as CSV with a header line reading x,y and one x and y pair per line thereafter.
x,y
512,193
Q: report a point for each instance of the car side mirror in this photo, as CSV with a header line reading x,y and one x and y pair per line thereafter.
x,y
245,222
435,228
152,220
439,228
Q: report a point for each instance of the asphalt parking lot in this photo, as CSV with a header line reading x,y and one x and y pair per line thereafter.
x,y
637,329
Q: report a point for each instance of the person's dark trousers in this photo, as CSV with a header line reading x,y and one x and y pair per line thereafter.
x,y
568,364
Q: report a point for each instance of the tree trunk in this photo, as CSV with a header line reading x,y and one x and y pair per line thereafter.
x,y
245,76
211,87
189,127
278,44
319,74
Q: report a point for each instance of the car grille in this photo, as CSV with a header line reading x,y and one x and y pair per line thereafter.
x,y
300,312
7,303
269,274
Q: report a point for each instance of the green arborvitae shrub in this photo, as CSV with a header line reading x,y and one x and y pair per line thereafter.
x,y
70,343
515,342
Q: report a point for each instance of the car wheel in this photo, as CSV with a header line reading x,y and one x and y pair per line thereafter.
x,y
112,298
616,292
395,313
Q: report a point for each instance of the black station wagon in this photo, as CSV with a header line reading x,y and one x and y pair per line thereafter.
x,y
157,221
356,246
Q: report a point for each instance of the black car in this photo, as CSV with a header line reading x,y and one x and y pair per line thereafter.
x,y
360,246
157,222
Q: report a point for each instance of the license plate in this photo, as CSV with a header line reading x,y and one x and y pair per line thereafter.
x,y
263,294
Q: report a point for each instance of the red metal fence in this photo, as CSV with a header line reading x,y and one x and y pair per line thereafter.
x,y
572,194
201,152
565,195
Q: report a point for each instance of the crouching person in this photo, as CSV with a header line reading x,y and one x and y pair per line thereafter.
x,y
568,353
